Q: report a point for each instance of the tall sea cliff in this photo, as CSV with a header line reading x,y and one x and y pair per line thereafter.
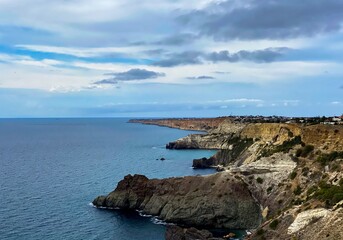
x,y
278,180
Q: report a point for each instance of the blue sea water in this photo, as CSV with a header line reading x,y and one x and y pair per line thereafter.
x,y
51,169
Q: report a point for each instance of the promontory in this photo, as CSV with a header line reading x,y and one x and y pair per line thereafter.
x,y
278,178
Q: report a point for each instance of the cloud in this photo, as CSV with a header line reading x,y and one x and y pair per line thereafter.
x,y
266,55
267,19
132,74
196,57
81,52
221,72
176,59
200,77
176,40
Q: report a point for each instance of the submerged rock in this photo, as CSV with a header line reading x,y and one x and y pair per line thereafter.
x,y
214,201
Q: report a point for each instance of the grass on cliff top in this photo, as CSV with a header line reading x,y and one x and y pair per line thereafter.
x,y
284,147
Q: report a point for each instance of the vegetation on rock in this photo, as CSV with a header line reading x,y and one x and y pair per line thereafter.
x,y
284,147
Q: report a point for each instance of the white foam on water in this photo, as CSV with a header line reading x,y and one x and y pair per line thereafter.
x,y
157,221
142,214
110,208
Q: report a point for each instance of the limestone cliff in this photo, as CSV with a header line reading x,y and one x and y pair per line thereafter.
x,y
216,201
290,174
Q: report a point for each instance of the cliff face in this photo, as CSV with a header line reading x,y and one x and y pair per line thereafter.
x,y
322,137
216,201
200,141
289,174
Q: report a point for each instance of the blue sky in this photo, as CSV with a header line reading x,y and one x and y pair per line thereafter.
x,y
178,58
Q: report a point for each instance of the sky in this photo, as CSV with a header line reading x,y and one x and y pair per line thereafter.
x,y
170,58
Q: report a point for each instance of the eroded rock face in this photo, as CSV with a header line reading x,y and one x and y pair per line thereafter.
x,y
178,233
200,141
215,201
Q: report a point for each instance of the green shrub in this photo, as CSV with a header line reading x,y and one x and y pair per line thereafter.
x,y
299,152
293,175
273,224
324,159
336,167
284,147
311,190
259,180
306,150
297,190
260,231
330,194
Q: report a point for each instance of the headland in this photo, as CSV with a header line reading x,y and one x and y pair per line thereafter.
x,y
278,178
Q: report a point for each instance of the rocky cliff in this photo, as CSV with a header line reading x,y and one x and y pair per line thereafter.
x,y
217,201
288,175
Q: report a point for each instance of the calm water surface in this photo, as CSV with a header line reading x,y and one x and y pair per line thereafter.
x,y
51,169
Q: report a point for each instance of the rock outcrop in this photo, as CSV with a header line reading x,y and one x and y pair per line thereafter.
x,y
286,176
200,141
178,233
215,201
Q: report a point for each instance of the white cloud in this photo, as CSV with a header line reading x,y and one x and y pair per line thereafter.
x,y
83,52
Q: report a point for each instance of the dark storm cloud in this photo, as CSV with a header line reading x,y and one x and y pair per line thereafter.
x,y
133,74
259,56
200,77
266,19
189,57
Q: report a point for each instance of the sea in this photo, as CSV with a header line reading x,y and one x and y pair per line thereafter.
x,y
52,169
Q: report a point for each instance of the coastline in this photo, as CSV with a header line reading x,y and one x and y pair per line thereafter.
x,y
266,156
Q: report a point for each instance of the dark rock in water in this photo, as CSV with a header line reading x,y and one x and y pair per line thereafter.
x,y
213,201
178,233
162,159
203,162
181,145
100,201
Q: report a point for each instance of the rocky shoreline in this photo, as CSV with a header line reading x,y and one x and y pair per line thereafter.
x,y
281,181
215,201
